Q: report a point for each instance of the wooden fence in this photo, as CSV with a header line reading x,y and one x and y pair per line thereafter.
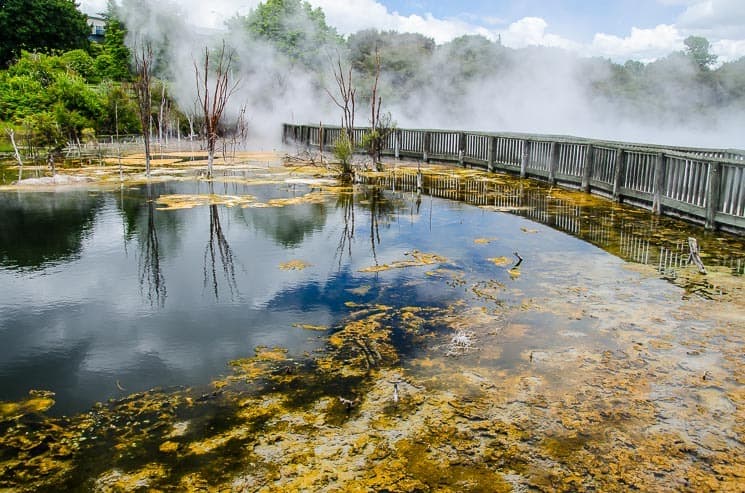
x,y
706,185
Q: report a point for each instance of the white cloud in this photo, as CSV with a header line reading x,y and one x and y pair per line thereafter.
x,y
531,31
353,15
722,21
729,50
642,44
717,18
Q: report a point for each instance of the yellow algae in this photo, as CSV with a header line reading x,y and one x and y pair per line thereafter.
x,y
271,354
116,480
294,265
38,401
185,201
360,291
484,241
514,273
311,198
500,261
168,447
528,231
417,259
317,328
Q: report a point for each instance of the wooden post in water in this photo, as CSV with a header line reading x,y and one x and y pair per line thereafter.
x,y
426,145
713,194
461,148
526,159
553,162
587,168
491,153
618,178
659,183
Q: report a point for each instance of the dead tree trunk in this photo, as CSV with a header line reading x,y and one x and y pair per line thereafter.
x,y
12,134
143,58
380,125
345,100
213,95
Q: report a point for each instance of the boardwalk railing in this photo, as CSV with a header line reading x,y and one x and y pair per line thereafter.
x,y
706,185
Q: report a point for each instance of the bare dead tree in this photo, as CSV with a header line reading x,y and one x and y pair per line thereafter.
x,y
240,132
161,115
380,125
345,99
143,59
12,135
213,96
118,143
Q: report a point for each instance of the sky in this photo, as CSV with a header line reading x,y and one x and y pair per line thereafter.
x,y
617,29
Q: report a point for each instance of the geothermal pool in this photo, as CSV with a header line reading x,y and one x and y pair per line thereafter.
x,y
275,330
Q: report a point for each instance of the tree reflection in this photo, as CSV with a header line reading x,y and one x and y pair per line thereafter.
x,y
218,249
346,203
381,210
152,281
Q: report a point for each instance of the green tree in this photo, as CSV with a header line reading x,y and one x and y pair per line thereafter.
x,y
697,48
113,62
292,26
80,62
40,25
49,99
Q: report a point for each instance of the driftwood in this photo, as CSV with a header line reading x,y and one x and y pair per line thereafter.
x,y
694,256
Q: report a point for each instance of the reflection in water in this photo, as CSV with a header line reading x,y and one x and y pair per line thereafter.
x,y
345,202
218,248
152,280
634,235
39,228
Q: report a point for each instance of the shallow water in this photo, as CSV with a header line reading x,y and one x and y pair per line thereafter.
x,y
104,290
110,292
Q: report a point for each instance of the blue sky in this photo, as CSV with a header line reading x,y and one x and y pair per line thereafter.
x,y
620,30
579,19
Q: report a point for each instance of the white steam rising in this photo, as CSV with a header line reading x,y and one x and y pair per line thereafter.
x,y
535,90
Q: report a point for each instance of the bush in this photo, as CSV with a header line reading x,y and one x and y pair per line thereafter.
x,y
343,151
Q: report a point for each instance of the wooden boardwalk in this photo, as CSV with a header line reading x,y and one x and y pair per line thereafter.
x,y
705,185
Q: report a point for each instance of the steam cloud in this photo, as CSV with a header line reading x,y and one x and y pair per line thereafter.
x,y
536,90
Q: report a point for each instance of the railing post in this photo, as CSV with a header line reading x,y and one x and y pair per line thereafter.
x,y
587,168
461,148
553,162
526,158
426,146
713,194
659,182
491,153
397,144
618,179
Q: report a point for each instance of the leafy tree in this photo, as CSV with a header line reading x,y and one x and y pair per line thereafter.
x,y
292,26
472,56
405,60
113,62
119,110
40,25
697,48
80,62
